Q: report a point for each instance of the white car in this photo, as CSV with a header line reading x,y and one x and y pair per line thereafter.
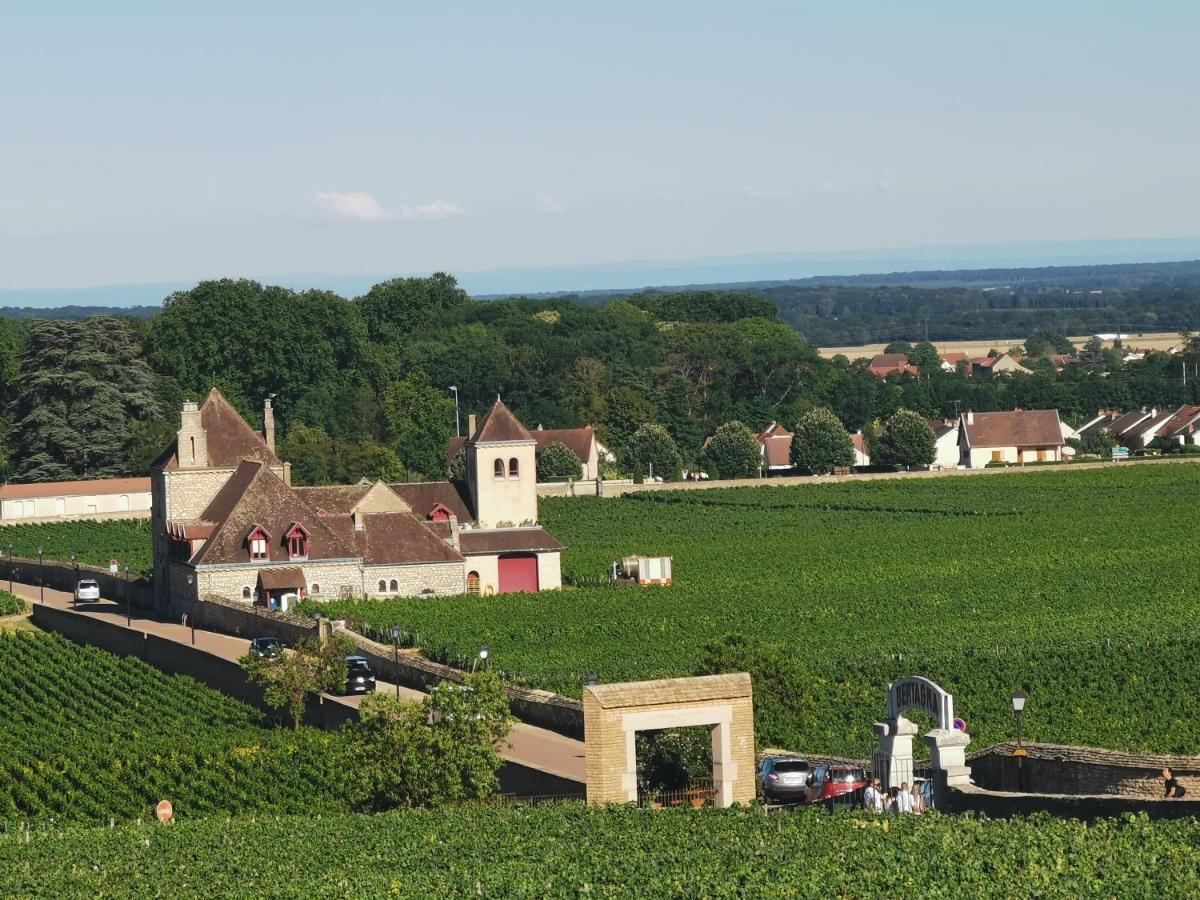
x,y
87,589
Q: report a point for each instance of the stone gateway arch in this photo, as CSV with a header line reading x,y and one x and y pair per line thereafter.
x,y
947,745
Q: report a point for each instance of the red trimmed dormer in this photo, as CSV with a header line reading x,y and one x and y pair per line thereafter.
x,y
258,543
297,541
440,513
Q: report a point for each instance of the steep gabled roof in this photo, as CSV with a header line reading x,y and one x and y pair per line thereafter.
x,y
777,446
1019,428
500,426
254,495
1182,422
1129,420
333,500
230,439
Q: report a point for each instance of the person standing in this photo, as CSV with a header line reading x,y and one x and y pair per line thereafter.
x,y
918,799
873,798
1174,788
904,799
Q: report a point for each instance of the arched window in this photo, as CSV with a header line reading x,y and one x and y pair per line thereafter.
x,y
245,593
472,582
514,468
382,585
499,468
395,585
315,589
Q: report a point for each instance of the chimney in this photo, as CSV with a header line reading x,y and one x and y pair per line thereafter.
x,y
970,417
192,440
269,424
454,541
540,428
471,425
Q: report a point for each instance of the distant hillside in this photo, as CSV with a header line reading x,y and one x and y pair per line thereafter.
x,y
77,313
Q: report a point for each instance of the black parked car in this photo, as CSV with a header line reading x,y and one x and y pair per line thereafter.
x,y
266,647
360,677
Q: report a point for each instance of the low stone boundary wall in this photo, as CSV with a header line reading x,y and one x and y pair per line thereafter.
x,y
81,517
1004,804
61,576
228,678
1084,771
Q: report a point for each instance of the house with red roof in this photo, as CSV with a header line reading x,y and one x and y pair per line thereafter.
x,y
227,520
885,364
1019,436
583,442
61,501
776,444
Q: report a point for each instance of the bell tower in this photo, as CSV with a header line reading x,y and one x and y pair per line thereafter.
x,y
502,471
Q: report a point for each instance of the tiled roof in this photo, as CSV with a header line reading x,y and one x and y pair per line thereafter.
x,y
281,578
889,361
777,446
330,500
1104,423
507,540
399,538
500,426
1020,428
254,495
94,487
1128,421
953,358
860,442
423,496
230,440
577,440
1182,422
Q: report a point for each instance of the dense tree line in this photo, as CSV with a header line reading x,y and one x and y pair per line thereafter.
x,y
361,387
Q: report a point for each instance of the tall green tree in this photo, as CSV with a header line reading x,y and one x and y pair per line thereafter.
x,y
733,452
906,440
81,387
820,443
558,461
654,451
420,423
310,667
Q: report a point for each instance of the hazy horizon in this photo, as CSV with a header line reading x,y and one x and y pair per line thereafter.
x,y
152,143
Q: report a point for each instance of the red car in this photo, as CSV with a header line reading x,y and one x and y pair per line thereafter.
x,y
836,784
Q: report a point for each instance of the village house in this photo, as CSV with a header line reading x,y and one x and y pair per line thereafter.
x,y
885,364
776,444
228,521
61,501
592,454
996,365
1020,436
862,456
950,362
945,444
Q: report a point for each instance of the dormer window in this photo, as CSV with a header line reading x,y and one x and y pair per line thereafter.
x,y
514,468
297,541
499,468
258,542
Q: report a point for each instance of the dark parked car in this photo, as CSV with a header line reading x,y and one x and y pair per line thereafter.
x,y
837,784
360,677
784,779
266,647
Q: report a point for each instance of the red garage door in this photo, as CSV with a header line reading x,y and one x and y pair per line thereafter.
x,y
518,573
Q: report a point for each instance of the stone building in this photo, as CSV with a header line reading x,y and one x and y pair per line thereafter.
x,y
228,521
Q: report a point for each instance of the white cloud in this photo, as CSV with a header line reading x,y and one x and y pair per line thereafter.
x,y
548,206
359,206
756,193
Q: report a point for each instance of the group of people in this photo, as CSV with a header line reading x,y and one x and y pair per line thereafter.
x,y
904,799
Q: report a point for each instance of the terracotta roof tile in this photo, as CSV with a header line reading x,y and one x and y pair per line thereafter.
x,y
577,440
507,540
399,538
1019,428
336,499
423,496
230,439
281,578
500,426
98,487
777,446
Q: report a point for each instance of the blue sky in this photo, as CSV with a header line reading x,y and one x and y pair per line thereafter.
x,y
168,142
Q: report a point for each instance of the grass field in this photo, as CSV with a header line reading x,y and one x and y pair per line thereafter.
x,y
1078,586
573,851
1162,340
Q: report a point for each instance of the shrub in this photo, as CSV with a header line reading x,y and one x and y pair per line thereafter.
x,y
733,452
10,604
820,443
558,461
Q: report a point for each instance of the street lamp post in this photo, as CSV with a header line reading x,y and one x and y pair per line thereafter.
x,y
1018,706
396,657
41,578
191,579
75,593
10,567
457,431
125,569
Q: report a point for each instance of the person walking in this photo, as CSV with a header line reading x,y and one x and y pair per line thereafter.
x,y
1175,790
904,799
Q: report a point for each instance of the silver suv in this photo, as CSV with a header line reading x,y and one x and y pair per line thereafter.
x,y
87,589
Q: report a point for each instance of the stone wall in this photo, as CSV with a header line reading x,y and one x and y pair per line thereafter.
x,y
1059,769
1002,805
446,579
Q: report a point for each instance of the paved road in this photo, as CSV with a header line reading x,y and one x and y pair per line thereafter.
x,y
535,747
